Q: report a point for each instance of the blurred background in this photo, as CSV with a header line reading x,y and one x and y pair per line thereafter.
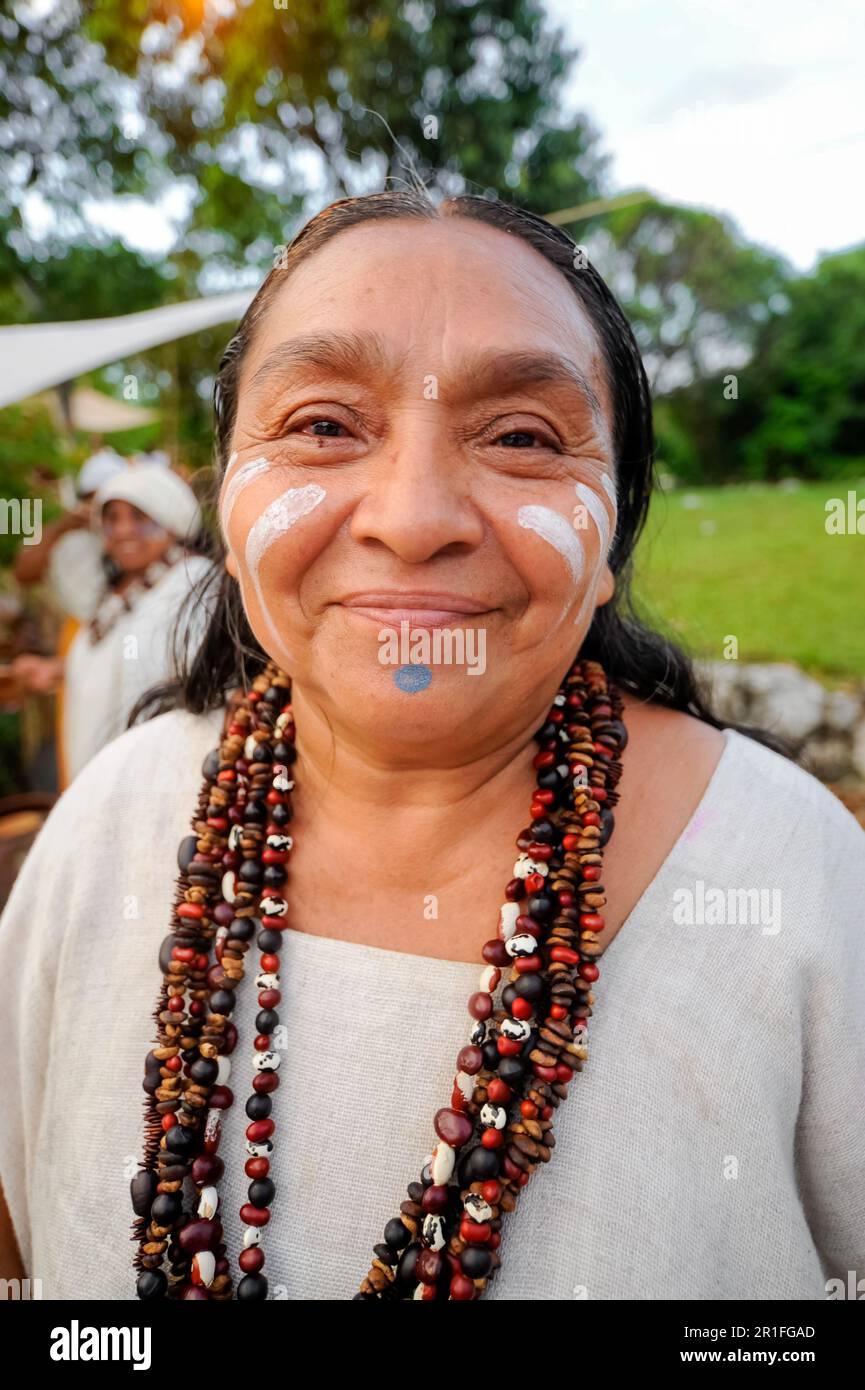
x,y
155,155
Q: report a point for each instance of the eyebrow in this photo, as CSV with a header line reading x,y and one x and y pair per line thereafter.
x,y
483,373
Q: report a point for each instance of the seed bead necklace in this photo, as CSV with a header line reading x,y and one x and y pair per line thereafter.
x,y
510,1077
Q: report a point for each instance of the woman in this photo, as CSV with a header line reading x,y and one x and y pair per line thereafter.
x,y
433,423
145,515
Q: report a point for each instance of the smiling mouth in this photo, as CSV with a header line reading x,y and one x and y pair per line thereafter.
x,y
389,609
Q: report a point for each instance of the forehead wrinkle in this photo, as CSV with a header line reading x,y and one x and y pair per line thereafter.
x,y
479,373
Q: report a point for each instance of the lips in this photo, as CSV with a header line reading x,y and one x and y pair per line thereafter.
x,y
431,609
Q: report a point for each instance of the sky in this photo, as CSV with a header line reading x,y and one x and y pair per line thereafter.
x,y
750,107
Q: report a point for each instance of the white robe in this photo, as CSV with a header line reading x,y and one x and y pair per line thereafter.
x,y
104,680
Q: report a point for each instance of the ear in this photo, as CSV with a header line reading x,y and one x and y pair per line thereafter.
x,y
606,586
231,563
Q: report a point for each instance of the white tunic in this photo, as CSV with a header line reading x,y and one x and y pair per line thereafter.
x,y
104,680
712,1147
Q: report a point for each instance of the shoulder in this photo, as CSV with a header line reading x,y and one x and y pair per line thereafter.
x,y
142,773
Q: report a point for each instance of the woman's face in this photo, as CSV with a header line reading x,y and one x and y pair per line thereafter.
x,y
132,539
420,497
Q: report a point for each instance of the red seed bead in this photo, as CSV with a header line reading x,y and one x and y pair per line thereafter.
x,y
547,1112
221,1098
514,890
534,883
254,1216
522,1008
591,872
428,1266
543,760
566,899
491,1191
546,798
591,818
470,1059
257,1167
570,842
435,1199
511,1170
173,1064
269,998
251,1259
462,1288
193,910
527,924
186,953
458,1100
509,1047
589,972
494,953
558,1011
563,1072
493,1138
475,1232
269,964
528,1109
261,1042
259,1130
565,954
541,852
527,965
592,921
168,1122
196,1008
600,793
265,1081
455,1129
498,1091
481,1005
175,1003
274,923
544,1073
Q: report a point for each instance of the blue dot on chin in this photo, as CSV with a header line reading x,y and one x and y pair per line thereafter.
x,y
412,678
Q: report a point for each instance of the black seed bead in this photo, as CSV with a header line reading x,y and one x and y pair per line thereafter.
x,y
540,905
204,1071
275,875
266,1020
511,1070
475,1262
222,1001
405,1270
608,820
151,1284
268,939
546,731
549,780
543,832
168,945
281,814
509,994
210,766
396,1234
186,850
529,987
384,1253
284,752
143,1190
259,1106
242,928
180,1140
479,1165
261,1192
254,813
252,1288
263,754
166,1208
415,1192
490,1053
250,871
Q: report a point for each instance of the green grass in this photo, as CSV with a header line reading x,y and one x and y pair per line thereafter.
x,y
768,574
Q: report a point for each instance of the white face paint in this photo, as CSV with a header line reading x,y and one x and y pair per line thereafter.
x,y
246,473
598,512
283,513
557,532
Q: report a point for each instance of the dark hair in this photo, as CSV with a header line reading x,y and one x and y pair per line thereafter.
x,y
636,657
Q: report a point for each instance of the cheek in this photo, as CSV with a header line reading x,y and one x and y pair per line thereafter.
x,y
558,533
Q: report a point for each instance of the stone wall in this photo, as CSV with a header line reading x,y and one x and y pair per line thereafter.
x,y
826,727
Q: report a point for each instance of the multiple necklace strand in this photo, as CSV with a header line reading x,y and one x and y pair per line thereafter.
x,y
510,1077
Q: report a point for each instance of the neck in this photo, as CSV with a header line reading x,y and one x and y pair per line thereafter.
x,y
426,823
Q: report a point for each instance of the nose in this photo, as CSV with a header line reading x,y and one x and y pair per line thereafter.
x,y
419,499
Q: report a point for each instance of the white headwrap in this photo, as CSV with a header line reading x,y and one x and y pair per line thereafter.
x,y
97,471
156,491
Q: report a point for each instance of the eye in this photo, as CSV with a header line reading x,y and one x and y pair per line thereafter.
x,y
321,425
525,439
